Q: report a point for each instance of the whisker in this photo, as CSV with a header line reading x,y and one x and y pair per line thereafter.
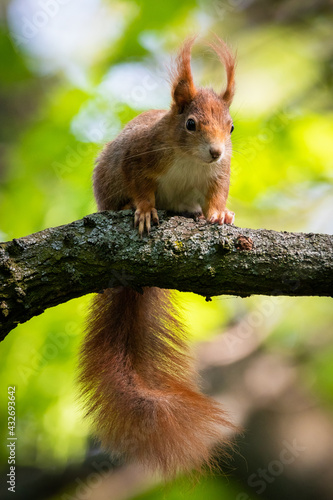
x,y
184,150
148,152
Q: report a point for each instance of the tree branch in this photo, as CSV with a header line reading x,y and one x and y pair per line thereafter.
x,y
103,250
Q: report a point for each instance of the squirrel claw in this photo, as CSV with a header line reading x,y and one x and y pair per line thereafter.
x,y
229,217
142,218
225,217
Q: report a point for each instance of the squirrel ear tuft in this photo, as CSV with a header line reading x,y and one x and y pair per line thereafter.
x,y
229,62
183,94
183,88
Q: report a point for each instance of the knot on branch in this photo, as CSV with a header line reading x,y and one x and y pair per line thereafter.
x,y
244,243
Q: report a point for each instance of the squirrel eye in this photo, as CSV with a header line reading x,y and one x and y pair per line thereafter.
x,y
190,124
232,129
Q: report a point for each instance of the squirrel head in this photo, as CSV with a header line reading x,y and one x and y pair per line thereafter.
x,y
203,120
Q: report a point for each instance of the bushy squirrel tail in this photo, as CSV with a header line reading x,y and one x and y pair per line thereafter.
x,y
140,387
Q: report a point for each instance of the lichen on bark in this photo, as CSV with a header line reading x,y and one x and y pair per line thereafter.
x,y
104,250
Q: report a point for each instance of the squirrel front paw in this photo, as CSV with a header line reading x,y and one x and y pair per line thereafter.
x,y
223,217
143,216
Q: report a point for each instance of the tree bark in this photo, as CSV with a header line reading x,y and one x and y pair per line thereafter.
x,y
103,250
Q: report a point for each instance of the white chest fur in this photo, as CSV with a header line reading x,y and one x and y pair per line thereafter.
x,y
184,186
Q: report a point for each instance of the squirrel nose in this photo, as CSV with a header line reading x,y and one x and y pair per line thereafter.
x,y
215,152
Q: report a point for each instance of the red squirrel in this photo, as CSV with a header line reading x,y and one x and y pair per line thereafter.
x,y
137,376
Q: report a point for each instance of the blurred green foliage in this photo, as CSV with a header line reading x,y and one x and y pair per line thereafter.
x,y
281,179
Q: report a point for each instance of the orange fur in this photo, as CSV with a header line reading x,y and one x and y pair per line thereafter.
x,y
140,386
229,62
137,377
183,89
